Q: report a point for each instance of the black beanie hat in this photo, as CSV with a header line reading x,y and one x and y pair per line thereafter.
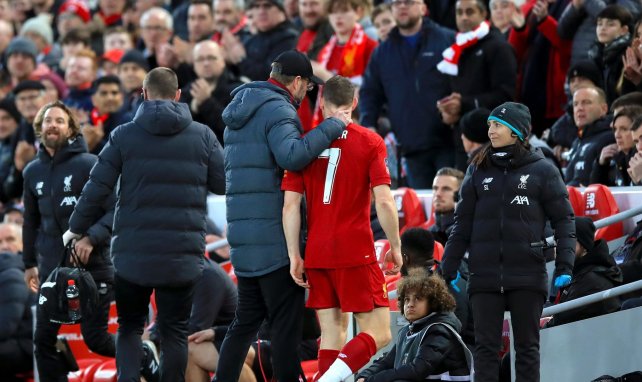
x,y
474,125
585,232
587,69
10,107
136,57
515,116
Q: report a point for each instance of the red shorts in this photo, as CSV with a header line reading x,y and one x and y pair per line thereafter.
x,y
355,289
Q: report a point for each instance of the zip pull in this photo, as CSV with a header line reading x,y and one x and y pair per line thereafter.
x,y
501,289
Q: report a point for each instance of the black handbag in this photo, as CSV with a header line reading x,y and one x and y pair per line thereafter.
x,y
52,297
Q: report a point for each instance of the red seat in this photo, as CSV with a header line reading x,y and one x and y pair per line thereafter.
x,y
310,368
576,199
106,372
382,247
86,369
391,284
409,208
438,251
77,344
598,204
229,269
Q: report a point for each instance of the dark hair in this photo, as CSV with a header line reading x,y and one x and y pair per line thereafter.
x,y
481,5
433,288
636,123
633,98
338,91
105,80
616,12
73,124
340,5
449,171
161,83
634,32
482,158
629,111
417,246
379,9
75,36
281,78
203,2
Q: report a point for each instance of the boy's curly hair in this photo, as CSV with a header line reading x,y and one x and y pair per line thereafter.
x,y
433,288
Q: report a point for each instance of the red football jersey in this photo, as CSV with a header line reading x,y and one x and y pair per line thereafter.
x,y
337,188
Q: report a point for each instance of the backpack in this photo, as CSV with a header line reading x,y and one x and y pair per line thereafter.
x,y
52,297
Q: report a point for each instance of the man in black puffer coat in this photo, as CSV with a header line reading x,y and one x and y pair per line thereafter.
x,y
164,164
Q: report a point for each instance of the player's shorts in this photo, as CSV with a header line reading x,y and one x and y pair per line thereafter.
x,y
355,289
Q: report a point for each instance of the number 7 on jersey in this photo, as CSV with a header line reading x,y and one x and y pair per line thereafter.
x,y
333,155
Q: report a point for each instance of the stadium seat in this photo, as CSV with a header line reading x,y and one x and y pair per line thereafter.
x,y
438,251
75,340
229,269
391,284
86,369
411,211
310,368
576,199
381,248
106,372
598,204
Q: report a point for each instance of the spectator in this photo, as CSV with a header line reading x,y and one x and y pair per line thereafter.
x,y
582,74
79,76
55,87
132,70
200,21
110,12
14,214
117,38
594,271
412,93
613,38
635,163
428,347
229,17
9,134
611,166
53,182
503,14
474,131
109,62
508,194
72,14
6,35
39,31
209,94
483,79
21,59
16,344
147,195
442,12
383,20
594,132
73,42
106,114
156,31
445,194
316,27
262,137
253,55
632,70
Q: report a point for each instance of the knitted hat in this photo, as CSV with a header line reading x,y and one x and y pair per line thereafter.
x,y
28,85
77,7
58,83
587,69
10,107
40,26
515,116
136,57
585,232
474,126
278,3
22,45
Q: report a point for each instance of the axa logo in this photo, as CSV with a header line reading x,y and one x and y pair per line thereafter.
x,y
520,200
486,182
522,181
68,201
67,183
39,187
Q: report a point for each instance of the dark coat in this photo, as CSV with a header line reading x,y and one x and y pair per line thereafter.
x,y
609,59
262,138
563,131
410,85
594,272
52,189
113,121
586,149
613,173
164,164
15,302
438,352
262,48
79,99
503,208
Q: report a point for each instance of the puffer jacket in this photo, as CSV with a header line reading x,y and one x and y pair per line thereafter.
x,y
262,138
15,303
503,209
586,149
164,164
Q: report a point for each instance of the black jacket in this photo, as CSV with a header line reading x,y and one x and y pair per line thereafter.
x,y
15,307
443,226
487,73
262,48
113,121
503,208
609,60
594,272
164,164
586,149
614,173
439,352
52,187
563,132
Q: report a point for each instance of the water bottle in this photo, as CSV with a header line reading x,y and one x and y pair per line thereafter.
x,y
73,301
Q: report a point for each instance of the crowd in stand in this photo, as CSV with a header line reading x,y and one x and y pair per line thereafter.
x,y
428,74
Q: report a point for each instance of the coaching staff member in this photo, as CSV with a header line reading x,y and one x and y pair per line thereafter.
x,y
164,164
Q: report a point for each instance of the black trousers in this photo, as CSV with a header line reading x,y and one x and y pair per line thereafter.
x,y
488,312
278,299
93,329
422,166
174,306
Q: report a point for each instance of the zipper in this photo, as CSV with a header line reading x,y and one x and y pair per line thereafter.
x,y
501,234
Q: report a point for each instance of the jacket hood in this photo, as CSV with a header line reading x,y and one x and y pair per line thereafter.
x,y
598,256
76,145
163,117
11,260
598,126
445,317
248,99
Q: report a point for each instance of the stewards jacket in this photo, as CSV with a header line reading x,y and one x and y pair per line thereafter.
x,y
503,209
164,164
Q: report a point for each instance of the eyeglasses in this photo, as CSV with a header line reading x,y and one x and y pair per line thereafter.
x,y
154,28
264,6
405,3
310,85
205,59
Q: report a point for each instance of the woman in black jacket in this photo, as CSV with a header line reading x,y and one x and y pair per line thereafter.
x,y
508,194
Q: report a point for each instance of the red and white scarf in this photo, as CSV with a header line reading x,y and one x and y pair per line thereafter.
x,y
463,41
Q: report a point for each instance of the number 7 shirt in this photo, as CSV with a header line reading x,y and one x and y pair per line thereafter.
x,y
337,188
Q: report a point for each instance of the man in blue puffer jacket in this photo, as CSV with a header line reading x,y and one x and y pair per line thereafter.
x,y
262,139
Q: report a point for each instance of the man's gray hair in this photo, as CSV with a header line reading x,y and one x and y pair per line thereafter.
x,y
160,12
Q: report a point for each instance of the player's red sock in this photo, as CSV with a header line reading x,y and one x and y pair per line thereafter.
x,y
326,358
358,351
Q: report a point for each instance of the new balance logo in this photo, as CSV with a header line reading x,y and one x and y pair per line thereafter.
x,y
518,199
39,186
42,300
487,180
68,201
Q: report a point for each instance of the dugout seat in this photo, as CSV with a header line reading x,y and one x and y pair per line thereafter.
x,y
409,208
106,372
576,199
382,246
310,369
438,251
599,204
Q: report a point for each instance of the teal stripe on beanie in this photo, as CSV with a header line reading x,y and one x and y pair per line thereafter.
x,y
517,132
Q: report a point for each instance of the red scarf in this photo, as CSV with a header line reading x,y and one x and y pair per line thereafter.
x,y
97,118
234,30
111,19
305,40
463,41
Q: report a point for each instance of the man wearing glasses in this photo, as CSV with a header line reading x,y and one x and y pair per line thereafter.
x,y
402,74
262,139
